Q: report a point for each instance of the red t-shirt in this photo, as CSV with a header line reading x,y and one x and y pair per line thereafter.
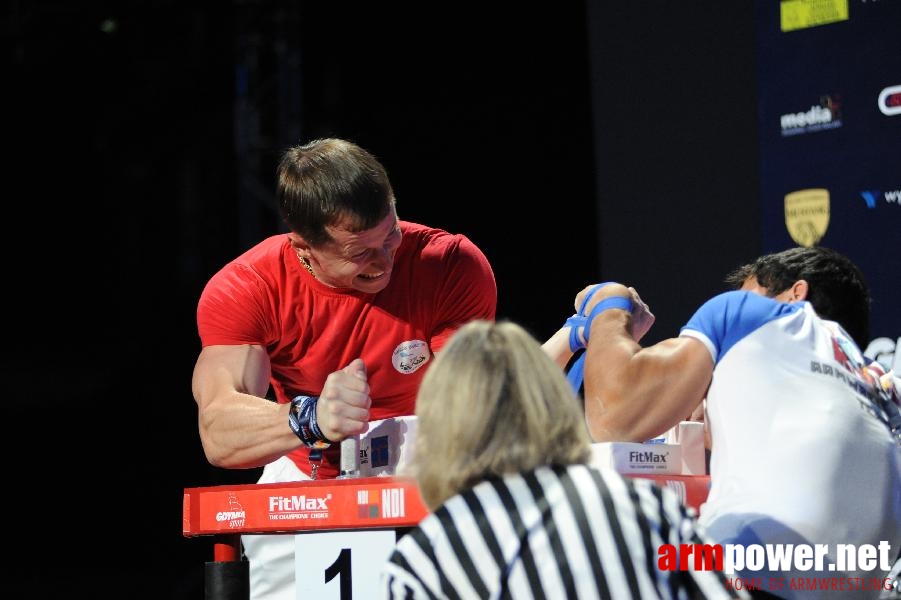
x,y
265,296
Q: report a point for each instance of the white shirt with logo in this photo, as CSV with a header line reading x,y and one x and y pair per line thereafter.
x,y
802,452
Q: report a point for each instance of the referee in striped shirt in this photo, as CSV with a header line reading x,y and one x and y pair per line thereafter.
x,y
516,512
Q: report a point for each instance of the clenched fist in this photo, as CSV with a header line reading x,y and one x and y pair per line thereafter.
x,y
642,317
343,407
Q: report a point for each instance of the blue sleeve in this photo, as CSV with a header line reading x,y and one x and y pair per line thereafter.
x,y
727,318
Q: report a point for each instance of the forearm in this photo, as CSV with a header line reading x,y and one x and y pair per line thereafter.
x,y
241,431
557,347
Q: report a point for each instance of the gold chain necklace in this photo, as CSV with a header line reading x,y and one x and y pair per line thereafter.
x,y
306,264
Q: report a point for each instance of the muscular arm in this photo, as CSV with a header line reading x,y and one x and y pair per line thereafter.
x,y
634,393
239,428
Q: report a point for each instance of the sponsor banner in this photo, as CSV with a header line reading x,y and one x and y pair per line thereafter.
x,y
304,505
829,132
361,503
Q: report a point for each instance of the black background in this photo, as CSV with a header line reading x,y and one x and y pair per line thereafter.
x,y
572,143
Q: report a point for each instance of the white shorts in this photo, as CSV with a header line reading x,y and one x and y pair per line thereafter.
x,y
271,556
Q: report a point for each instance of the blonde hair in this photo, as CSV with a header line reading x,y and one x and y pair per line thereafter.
x,y
493,403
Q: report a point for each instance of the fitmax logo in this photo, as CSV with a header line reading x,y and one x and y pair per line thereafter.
x,y
296,503
647,457
872,196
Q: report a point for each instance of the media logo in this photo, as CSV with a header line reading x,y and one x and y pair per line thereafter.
x,y
807,215
889,101
820,117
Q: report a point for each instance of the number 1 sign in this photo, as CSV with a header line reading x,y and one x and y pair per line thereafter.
x,y
341,565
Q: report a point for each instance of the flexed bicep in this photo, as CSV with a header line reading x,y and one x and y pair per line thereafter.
x,y
223,370
634,393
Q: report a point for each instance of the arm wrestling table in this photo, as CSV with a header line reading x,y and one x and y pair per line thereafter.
x,y
353,507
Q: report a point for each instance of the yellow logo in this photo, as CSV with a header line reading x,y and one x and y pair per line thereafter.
x,y
807,215
803,14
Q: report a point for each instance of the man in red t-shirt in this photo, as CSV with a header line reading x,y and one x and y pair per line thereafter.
x,y
339,318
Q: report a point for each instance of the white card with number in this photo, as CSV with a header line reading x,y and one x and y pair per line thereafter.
x,y
341,565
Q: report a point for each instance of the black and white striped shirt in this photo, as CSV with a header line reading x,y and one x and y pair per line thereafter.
x,y
555,532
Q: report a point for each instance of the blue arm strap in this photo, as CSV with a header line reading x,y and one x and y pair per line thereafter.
x,y
579,320
576,373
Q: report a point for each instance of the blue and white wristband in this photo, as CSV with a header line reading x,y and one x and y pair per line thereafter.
x,y
302,420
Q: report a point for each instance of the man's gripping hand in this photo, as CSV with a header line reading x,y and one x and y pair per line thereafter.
x,y
642,317
343,407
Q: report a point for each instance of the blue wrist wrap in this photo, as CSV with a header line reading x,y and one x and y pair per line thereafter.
x,y
607,304
580,320
576,373
302,420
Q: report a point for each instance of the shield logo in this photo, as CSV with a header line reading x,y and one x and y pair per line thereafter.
x,y
807,215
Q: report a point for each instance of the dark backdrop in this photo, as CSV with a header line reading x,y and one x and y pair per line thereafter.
x,y
674,118
571,144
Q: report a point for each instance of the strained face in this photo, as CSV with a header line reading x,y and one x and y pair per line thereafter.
x,y
360,260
